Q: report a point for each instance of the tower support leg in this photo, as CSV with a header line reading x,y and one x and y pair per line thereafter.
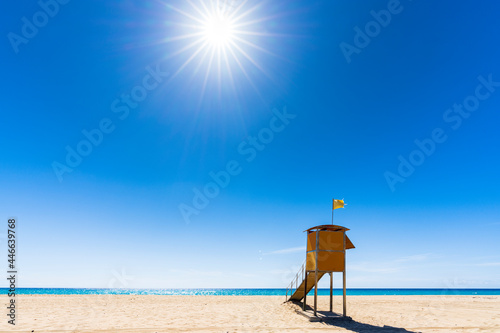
x,y
305,292
316,275
316,292
344,294
331,291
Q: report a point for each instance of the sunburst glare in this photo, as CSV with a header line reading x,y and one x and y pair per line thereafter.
x,y
220,38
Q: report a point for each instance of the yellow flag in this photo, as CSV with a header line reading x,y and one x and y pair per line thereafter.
x,y
338,204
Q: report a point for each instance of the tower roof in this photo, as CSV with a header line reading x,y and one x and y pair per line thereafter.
x,y
327,227
331,227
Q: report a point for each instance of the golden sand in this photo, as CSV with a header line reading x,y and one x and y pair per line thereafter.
x,y
126,313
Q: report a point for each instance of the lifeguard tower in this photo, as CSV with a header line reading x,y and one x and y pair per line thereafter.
x,y
325,253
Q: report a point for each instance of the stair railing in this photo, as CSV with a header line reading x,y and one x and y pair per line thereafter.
x,y
296,281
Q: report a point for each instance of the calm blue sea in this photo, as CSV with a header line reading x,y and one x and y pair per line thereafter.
x,y
245,292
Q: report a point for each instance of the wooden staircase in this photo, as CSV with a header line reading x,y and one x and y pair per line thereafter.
x,y
298,295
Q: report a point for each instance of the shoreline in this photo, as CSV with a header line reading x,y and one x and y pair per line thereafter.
x,y
255,291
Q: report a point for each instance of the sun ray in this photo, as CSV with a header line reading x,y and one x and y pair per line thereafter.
x,y
186,36
247,56
188,61
255,46
237,9
230,73
264,34
246,13
205,7
256,21
200,63
204,15
219,76
209,68
245,72
186,14
187,47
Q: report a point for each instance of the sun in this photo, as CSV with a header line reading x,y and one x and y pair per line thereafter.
x,y
218,38
218,30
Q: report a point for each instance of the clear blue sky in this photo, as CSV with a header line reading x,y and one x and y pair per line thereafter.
x,y
355,117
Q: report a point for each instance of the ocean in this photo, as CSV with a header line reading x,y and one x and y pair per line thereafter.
x,y
244,292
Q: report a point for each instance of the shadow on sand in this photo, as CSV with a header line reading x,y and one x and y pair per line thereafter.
x,y
336,320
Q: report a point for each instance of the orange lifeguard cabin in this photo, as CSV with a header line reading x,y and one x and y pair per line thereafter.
x,y
325,253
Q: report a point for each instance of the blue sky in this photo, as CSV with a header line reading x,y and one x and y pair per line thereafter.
x,y
352,119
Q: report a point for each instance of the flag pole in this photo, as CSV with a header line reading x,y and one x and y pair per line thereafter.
x,y
333,208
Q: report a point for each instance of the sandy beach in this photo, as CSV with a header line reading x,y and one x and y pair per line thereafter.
x,y
129,313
